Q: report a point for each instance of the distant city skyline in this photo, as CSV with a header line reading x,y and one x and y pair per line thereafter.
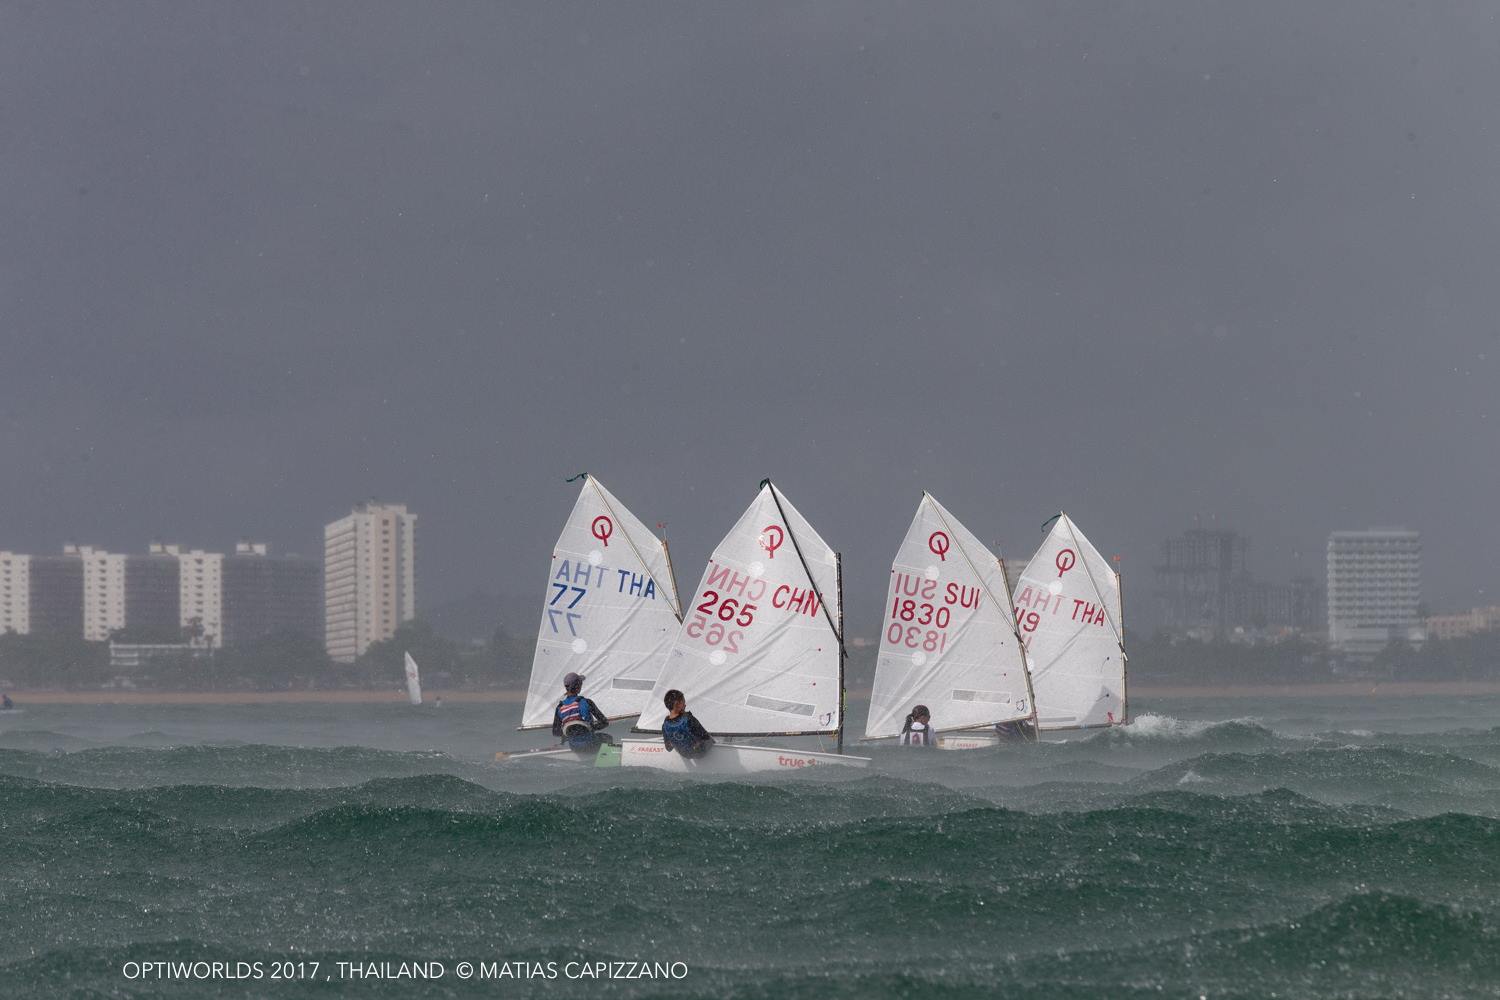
x,y
1204,589
1138,563
1245,591
165,594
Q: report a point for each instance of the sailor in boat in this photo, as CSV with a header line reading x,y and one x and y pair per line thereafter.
x,y
577,720
1020,731
680,731
5,703
917,730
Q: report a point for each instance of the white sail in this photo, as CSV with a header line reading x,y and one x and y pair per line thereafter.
x,y
758,653
610,610
1068,610
948,640
413,682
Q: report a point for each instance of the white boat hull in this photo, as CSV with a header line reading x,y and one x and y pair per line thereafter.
x,y
725,758
983,741
562,755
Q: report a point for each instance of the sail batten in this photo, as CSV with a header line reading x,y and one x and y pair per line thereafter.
x,y
1068,608
609,611
948,638
758,651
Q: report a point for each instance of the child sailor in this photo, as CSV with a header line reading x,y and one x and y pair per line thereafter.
x,y
917,731
577,720
680,731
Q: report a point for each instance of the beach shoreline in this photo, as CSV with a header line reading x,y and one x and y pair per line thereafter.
x,y
1138,693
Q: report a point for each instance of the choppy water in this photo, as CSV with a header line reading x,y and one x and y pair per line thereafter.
x,y
1221,849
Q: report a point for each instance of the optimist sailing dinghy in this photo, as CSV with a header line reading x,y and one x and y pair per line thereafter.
x,y
1068,607
949,639
413,682
610,613
1068,615
760,651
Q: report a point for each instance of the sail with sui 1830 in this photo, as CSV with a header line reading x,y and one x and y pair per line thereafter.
x,y
759,651
1068,610
610,610
948,637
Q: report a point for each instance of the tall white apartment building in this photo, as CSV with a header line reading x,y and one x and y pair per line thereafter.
x,y
103,590
1374,588
369,577
15,593
200,591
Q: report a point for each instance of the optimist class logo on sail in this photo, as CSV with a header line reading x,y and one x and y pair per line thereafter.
x,y
937,544
602,528
771,539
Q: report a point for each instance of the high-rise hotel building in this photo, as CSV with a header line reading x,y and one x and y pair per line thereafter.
x,y
200,594
369,577
267,595
55,594
103,590
1374,588
15,593
153,594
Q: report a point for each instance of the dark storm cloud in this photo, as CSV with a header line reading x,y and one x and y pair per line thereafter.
x,y
261,261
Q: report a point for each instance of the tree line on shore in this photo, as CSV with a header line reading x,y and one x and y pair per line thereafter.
x,y
1165,659
287,661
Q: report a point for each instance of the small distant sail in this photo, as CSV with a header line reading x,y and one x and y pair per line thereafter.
x,y
413,682
1068,610
609,613
758,653
948,640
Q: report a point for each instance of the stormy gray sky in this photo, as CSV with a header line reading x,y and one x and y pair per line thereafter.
x,y
1144,262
